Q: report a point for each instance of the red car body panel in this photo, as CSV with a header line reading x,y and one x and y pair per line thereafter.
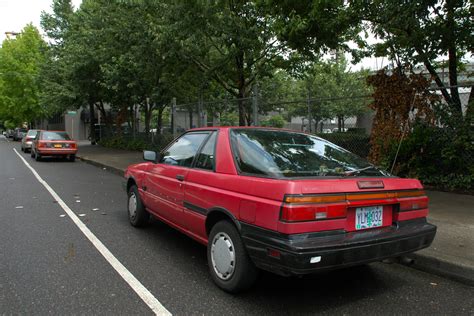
x,y
187,203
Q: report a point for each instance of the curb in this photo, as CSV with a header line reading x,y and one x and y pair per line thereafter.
x,y
116,171
443,268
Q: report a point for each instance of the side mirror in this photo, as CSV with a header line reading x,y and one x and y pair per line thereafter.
x,y
152,156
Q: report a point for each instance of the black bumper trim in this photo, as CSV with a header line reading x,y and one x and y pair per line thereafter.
x,y
337,249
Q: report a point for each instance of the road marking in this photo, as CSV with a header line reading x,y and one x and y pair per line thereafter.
x,y
141,290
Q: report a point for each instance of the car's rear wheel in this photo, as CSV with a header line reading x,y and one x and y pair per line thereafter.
x,y
32,154
37,156
72,158
137,214
229,264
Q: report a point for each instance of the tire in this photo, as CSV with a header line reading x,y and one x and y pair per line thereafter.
x,y
22,149
72,158
32,154
233,271
37,156
137,215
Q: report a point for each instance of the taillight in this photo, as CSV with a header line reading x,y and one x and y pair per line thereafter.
x,y
299,208
41,144
413,204
73,145
310,208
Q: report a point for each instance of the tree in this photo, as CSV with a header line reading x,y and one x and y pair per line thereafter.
x,y
421,32
20,61
312,27
231,42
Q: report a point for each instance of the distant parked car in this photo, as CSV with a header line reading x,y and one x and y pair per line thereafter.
x,y
277,200
18,134
53,144
28,140
326,131
9,133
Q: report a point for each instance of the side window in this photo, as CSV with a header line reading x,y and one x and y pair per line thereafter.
x,y
206,158
182,152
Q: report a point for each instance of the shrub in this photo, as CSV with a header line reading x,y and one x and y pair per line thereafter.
x,y
274,121
440,157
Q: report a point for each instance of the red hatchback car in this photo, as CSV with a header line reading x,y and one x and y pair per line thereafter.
x,y
287,202
53,144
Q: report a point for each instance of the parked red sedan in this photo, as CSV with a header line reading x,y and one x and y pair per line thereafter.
x,y
278,200
53,144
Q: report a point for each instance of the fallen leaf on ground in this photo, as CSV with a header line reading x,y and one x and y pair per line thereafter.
x,y
62,215
434,284
19,206
82,215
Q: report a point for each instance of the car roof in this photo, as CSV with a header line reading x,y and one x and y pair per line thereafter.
x,y
212,128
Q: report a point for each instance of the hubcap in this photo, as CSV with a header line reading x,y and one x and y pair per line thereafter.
x,y
132,205
223,256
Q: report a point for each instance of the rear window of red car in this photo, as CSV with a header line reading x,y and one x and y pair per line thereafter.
x,y
284,154
54,136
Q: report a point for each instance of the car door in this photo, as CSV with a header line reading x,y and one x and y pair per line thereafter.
x,y
164,184
199,193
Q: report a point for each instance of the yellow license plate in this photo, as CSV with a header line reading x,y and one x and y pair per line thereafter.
x,y
58,146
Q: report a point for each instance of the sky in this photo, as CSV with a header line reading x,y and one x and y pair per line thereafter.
x,y
15,14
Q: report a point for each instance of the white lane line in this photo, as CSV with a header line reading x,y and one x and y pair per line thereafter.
x,y
141,290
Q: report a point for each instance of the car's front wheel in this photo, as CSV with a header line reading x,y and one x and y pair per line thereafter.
x,y
137,214
229,264
37,156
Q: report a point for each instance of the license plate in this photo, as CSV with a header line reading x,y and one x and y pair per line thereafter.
x,y
58,146
369,217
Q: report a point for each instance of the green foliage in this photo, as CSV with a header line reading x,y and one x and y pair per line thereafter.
x,y
420,32
231,42
440,157
229,119
20,62
274,121
314,26
138,143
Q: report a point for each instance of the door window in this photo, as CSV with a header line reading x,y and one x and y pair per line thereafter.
x,y
182,152
206,157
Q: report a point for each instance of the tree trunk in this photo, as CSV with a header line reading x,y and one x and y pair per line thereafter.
x,y
452,61
190,110
148,112
92,123
159,121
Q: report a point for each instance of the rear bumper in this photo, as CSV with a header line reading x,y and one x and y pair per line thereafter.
x,y
56,152
336,249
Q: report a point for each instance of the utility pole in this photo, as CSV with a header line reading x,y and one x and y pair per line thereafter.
x,y
255,105
173,116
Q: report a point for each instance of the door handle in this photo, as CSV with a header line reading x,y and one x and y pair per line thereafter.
x,y
180,177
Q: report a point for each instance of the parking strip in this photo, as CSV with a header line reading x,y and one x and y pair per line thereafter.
x,y
126,275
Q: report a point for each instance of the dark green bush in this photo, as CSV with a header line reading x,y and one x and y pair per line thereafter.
x,y
440,157
137,144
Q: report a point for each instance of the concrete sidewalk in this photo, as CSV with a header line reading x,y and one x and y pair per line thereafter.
x,y
452,251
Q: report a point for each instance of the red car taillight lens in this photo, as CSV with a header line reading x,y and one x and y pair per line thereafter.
x,y
41,145
414,204
73,145
310,208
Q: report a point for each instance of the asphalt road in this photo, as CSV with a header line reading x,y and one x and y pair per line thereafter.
x,y
47,265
